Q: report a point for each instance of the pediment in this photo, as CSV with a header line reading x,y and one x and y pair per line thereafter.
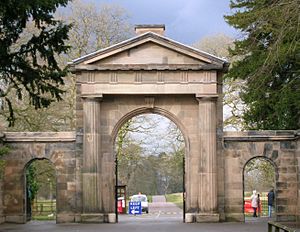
x,y
147,49
148,53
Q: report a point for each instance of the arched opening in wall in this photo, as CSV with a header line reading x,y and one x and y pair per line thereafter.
x,y
40,190
259,189
150,151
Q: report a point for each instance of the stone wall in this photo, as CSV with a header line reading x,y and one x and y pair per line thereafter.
x,y
297,156
282,148
59,149
1,189
2,218
279,147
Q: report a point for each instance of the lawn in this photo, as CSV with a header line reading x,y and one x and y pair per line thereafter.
x,y
175,198
44,210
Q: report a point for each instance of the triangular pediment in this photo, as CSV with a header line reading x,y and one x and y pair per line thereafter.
x,y
149,48
148,53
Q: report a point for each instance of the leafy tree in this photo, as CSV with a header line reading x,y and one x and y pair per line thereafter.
x,y
170,172
3,151
93,27
40,175
31,182
270,50
31,65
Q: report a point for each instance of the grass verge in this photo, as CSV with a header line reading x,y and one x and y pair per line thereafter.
x,y
175,198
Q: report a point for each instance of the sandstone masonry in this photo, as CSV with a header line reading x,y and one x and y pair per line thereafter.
x,y
150,74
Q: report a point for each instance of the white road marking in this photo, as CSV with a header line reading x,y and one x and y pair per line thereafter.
x,y
157,216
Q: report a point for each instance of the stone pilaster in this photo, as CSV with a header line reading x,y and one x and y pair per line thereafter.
x,y
91,163
207,172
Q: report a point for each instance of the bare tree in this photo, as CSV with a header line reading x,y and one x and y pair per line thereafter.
x,y
150,155
259,174
218,45
94,27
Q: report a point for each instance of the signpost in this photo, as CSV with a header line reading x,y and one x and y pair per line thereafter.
x,y
135,207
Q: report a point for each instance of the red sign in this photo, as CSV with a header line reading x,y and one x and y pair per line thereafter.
x,y
120,208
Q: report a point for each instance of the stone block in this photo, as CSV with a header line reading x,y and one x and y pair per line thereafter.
x,y
281,201
233,201
282,185
282,208
189,217
2,219
93,218
285,218
71,186
234,217
268,147
65,218
62,186
112,218
288,145
233,208
207,217
15,219
274,155
62,146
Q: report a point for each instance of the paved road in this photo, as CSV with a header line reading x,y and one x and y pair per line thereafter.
x,y
159,205
159,211
159,199
160,220
136,226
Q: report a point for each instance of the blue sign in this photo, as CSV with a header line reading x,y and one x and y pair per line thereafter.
x,y
135,207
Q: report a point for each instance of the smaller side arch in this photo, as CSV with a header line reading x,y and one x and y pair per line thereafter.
x,y
261,157
27,191
263,205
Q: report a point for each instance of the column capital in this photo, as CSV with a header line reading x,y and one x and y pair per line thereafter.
x,y
207,97
96,97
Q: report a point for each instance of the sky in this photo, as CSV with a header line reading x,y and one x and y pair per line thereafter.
x,y
186,21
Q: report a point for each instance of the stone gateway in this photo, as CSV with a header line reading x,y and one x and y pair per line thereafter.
x,y
150,73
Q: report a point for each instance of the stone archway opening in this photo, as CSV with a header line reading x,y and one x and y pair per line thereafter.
x,y
259,178
40,190
150,152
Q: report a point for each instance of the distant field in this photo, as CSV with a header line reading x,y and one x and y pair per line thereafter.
x,y
175,198
44,210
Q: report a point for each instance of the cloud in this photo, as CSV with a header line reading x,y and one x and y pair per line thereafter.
x,y
200,18
186,20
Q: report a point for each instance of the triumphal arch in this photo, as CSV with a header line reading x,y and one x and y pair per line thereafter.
x,y
150,73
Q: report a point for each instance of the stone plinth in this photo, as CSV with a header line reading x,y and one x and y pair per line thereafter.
x,y
93,218
207,218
